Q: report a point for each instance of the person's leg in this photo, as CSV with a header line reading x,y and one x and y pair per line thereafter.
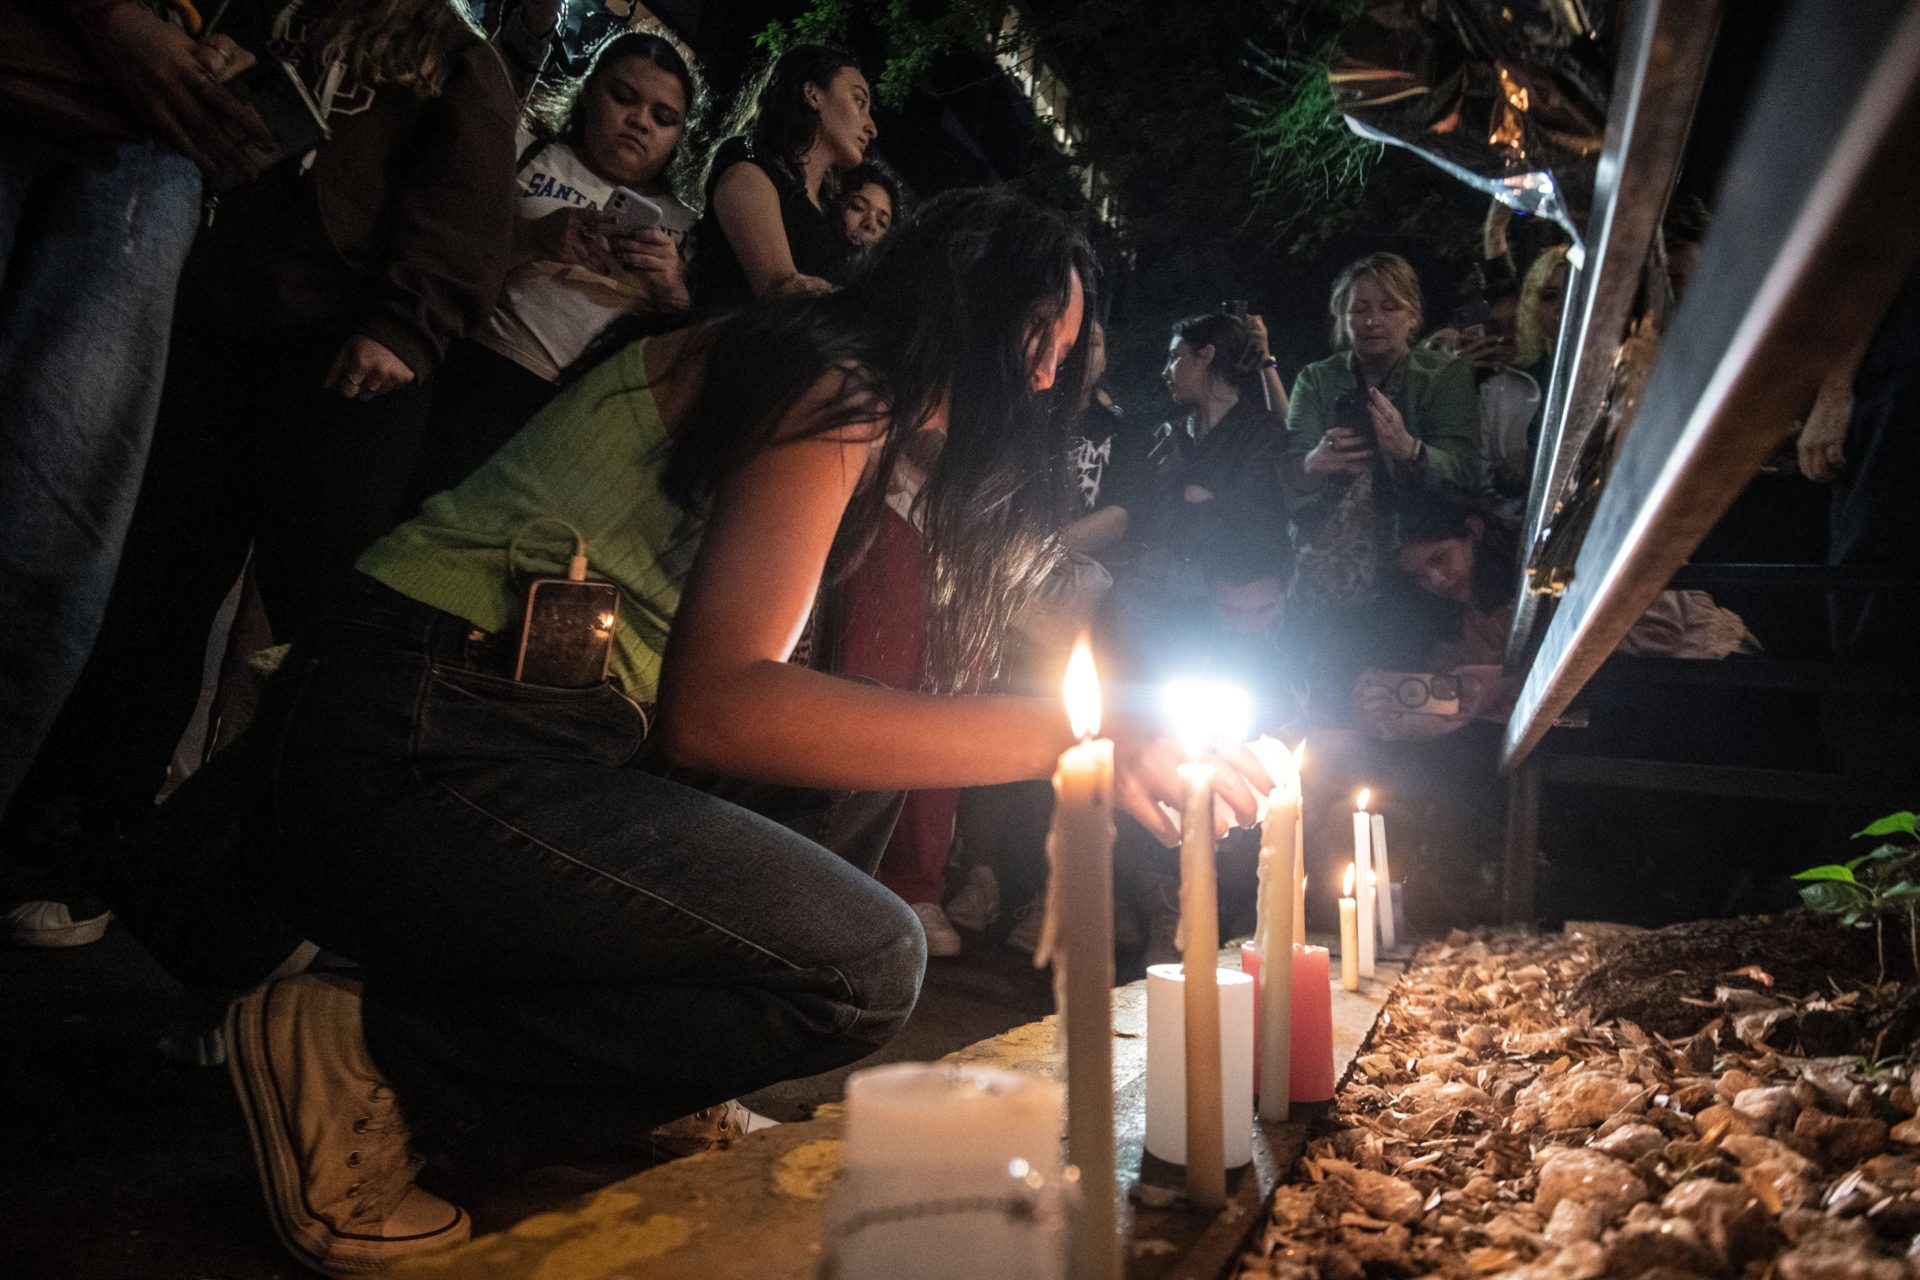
x,y
561,951
88,264
185,546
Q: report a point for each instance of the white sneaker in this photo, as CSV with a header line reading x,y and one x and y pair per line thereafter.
x,y
941,939
1025,934
332,1149
69,922
977,905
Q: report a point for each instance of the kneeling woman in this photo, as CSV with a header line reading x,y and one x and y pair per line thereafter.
x,y
561,948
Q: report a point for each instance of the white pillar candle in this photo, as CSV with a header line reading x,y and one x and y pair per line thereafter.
x,y
1363,870
1167,1063
935,1155
1080,911
1349,937
1300,850
1389,928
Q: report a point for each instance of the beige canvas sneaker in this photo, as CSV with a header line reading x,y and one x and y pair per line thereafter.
x,y
329,1141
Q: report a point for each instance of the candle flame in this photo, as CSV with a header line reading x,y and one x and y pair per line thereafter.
x,y
1360,801
1346,885
1082,690
1373,880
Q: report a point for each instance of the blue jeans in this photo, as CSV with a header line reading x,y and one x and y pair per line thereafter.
x,y
88,263
562,948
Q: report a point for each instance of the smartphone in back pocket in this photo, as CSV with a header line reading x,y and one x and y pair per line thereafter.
x,y
566,633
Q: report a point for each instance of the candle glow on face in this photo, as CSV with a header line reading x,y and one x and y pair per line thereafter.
x,y
1361,801
1346,885
1205,712
1082,690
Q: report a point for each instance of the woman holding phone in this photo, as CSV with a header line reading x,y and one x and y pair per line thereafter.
x,y
1373,425
599,233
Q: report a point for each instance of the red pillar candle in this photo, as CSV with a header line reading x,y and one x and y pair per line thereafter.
x,y
1312,1025
1312,1019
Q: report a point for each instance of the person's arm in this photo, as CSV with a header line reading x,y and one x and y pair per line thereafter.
x,y
747,206
1096,531
1450,432
178,85
1822,445
1272,389
451,229
1312,450
525,41
731,703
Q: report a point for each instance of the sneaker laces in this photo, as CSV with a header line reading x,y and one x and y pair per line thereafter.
x,y
382,1156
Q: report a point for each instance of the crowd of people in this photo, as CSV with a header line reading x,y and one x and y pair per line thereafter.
x,y
851,480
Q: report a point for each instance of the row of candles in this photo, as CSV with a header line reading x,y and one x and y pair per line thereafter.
x,y
1283,977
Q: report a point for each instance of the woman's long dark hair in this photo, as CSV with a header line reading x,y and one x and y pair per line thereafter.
x,y
1231,343
942,314
772,111
1496,559
560,114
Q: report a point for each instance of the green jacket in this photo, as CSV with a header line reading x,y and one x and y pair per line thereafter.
x,y
1435,395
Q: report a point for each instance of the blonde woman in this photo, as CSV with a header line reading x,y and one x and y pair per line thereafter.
x,y
1374,423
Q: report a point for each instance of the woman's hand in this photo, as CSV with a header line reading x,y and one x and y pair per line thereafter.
x,y
572,236
1823,437
179,85
1389,429
1341,452
801,283
1146,782
650,261
365,369
1258,352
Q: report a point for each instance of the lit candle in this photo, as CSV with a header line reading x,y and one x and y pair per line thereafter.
x,y
1389,928
1204,713
1080,912
1273,927
1349,936
1363,862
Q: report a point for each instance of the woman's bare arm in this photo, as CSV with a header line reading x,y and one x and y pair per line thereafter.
x,y
747,207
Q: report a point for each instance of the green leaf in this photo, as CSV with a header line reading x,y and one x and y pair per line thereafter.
x,y
1830,872
1833,897
1905,891
1901,823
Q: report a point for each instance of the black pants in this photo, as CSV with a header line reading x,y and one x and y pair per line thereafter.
x,y
480,399
250,451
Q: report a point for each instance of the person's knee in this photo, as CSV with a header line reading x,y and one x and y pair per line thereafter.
x,y
885,978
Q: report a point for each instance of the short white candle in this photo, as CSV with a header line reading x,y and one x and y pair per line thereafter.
x,y
1349,936
1389,927
1167,1065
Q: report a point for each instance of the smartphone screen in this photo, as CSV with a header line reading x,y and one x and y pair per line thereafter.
x,y
566,634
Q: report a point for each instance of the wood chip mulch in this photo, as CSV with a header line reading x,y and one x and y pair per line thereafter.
x,y
1496,1128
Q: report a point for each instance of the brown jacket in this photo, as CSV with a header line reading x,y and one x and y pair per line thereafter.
x,y
400,231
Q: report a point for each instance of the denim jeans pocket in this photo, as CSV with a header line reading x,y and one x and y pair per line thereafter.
x,y
470,715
